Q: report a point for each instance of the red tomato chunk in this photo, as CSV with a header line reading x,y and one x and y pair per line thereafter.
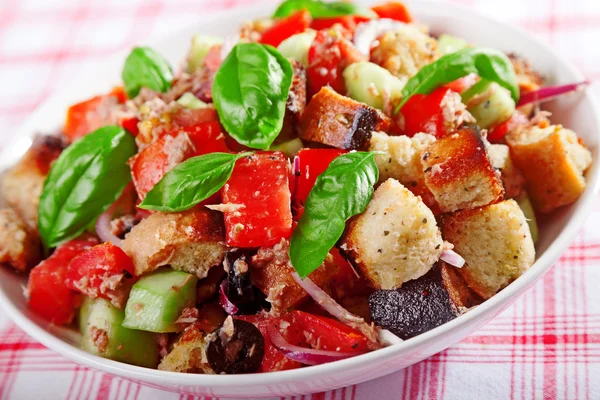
x,y
393,10
102,271
284,28
311,164
349,22
259,186
425,113
49,295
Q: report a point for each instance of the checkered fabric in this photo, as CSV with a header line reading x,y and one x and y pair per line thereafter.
x,y
547,345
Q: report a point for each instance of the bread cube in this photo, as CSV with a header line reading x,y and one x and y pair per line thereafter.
x,y
338,121
295,104
459,173
553,161
495,242
512,178
395,240
18,247
462,296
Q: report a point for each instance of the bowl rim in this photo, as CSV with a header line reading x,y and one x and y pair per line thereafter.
x,y
492,305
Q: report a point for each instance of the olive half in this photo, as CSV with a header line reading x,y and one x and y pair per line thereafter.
x,y
238,348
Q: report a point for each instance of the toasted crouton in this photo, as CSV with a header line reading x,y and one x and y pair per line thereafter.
x,y
404,52
495,242
295,105
553,161
271,269
189,353
460,293
22,185
395,240
191,241
401,160
18,247
334,120
459,173
513,180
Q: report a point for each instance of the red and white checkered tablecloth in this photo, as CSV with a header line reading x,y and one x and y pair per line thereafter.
x,y
547,345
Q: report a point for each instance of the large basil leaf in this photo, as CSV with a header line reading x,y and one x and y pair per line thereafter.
x,y
85,180
490,64
144,67
250,92
320,9
191,182
342,191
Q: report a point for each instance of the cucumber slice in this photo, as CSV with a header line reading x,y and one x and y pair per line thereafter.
x,y
103,335
289,148
296,46
157,300
188,100
450,44
201,44
367,82
497,108
529,213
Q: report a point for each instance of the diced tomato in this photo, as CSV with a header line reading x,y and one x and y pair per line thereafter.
x,y
329,334
462,84
119,93
102,271
284,28
328,56
350,22
497,133
273,360
393,10
260,184
212,60
425,113
153,162
131,124
49,295
311,164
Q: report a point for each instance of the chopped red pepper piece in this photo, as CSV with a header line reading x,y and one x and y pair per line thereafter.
x,y
497,133
393,10
48,293
259,186
311,164
284,28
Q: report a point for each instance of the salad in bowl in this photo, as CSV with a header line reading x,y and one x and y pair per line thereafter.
x,y
328,181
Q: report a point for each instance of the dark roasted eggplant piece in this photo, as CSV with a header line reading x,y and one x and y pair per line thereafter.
x,y
237,347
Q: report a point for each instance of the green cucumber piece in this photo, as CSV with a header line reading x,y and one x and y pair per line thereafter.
x,y
367,82
529,214
100,317
296,46
157,300
450,44
497,108
201,44
189,101
290,148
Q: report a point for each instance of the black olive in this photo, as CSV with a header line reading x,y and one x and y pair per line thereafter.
x,y
239,289
238,348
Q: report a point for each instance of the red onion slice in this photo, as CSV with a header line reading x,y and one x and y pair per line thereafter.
x,y
103,228
224,301
333,308
550,93
304,355
367,32
452,258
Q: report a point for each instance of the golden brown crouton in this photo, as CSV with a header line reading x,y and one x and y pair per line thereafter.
x,y
459,173
334,120
22,185
460,293
495,242
188,354
271,269
401,160
191,241
18,248
553,161
404,52
395,240
513,180
295,105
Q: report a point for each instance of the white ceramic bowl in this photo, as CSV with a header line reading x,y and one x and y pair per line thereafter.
x,y
578,113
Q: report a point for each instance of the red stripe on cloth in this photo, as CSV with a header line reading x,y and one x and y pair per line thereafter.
x,y
549,384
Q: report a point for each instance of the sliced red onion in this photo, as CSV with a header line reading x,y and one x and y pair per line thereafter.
x,y
304,355
335,309
228,44
367,32
296,166
103,228
452,258
550,93
227,305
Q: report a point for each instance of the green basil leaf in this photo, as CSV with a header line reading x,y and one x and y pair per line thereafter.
x,y
85,180
250,92
190,182
487,63
320,9
342,191
146,68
